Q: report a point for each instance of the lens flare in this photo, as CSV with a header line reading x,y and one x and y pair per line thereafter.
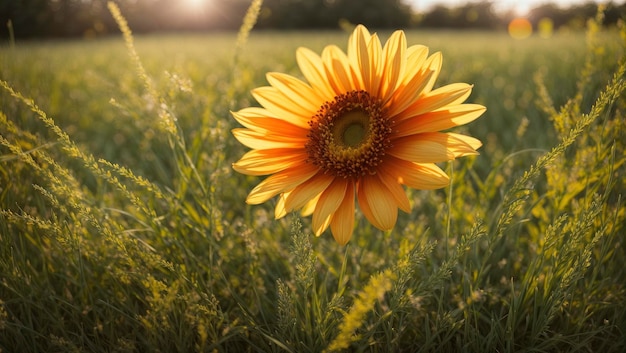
x,y
520,28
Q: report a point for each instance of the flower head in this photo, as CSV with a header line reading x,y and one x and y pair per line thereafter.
x,y
359,128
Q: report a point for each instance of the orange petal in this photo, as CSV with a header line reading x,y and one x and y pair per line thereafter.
x,y
472,142
312,68
396,189
453,94
422,176
328,203
260,120
282,181
307,191
263,141
282,107
377,203
263,162
441,119
342,222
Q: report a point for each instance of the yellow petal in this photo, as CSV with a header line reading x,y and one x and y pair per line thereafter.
x,y
421,148
297,91
394,60
413,81
358,55
309,207
434,63
312,68
430,147
260,141
263,162
321,225
280,211
421,176
328,203
337,70
372,67
377,203
246,116
360,34
308,190
472,142
407,94
441,119
415,57
281,107
419,78
282,181
342,221
452,94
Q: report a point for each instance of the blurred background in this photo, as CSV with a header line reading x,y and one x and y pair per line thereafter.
x,y
91,19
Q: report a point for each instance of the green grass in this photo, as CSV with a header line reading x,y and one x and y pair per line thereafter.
x,y
123,227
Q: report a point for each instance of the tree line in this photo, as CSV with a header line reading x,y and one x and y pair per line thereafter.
x,y
90,18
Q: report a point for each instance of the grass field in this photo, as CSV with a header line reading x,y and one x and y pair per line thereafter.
x,y
121,231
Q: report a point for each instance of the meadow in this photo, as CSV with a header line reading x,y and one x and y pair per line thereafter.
x,y
123,227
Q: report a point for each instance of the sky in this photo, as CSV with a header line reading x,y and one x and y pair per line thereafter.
x,y
520,7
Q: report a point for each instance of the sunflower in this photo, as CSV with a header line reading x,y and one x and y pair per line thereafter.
x,y
359,128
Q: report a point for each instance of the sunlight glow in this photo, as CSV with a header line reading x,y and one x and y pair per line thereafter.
x,y
195,4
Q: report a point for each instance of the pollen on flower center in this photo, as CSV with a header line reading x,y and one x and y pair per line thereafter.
x,y
349,136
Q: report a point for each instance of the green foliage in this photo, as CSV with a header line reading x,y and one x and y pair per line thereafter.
x,y
123,227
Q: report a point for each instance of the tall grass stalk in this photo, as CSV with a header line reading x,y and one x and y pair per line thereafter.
x,y
11,34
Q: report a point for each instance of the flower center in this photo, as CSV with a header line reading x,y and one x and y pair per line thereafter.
x,y
349,136
351,129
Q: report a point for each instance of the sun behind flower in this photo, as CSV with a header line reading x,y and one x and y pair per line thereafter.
x,y
361,126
